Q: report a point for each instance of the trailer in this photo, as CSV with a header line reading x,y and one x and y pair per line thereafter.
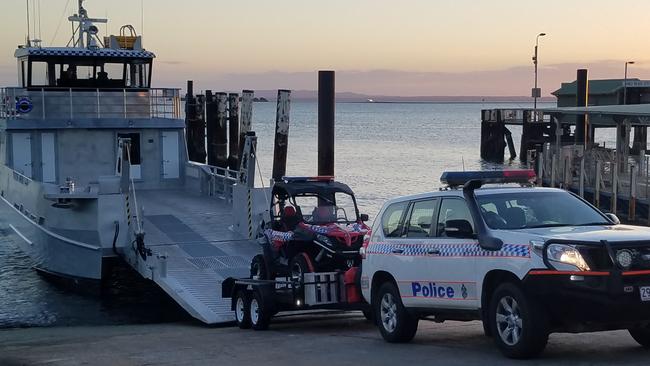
x,y
255,301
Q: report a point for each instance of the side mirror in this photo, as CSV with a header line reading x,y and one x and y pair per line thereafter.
x,y
613,218
459,229
364,217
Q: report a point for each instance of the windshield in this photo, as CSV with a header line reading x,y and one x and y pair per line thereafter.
x,y
321,209
537,209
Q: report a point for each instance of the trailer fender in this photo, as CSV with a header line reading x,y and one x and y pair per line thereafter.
x,y
228,288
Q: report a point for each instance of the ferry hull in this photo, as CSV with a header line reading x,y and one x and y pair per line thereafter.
x,y
51,252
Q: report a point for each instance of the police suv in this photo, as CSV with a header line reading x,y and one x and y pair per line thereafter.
x,y
526,260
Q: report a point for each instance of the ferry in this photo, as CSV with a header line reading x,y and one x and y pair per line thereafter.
x,y
94,167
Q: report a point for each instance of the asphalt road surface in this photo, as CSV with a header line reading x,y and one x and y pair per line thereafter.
x,y
340,339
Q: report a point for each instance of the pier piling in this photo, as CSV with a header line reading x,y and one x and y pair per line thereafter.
x,y
210,125
246,118
510,143
233,131
195,124
281,135
326,110
221,130
492,136
583,131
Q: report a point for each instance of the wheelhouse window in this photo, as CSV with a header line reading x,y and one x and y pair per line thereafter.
x,y
86,72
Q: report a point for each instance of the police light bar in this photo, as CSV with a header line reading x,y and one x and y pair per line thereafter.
x,y
454,179
320,178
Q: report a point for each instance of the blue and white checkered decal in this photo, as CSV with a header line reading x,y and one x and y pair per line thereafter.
x,y
85,52
451,250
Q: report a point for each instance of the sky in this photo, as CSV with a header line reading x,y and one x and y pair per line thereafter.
x,y
377,47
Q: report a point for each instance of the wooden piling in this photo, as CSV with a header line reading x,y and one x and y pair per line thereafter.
x,y
326,110
195,124
190,112
510,143
281,135
632,203
626,144
233,131
598,178
614,202
540,170
553,170
582,177
210,126
582,121
221,130
567,177
246,118
640,142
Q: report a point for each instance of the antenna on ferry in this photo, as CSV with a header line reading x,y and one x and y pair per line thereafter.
x,y
85,28
142,17
28,36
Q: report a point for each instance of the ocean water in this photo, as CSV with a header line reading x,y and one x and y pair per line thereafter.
x,y
383,150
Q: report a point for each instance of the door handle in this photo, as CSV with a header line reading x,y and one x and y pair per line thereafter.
x,y
397,250
433,251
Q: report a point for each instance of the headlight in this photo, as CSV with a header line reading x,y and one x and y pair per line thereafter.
x,y
624,258
324,239
566,255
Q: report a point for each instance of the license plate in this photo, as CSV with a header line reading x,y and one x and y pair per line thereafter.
x,y
645,293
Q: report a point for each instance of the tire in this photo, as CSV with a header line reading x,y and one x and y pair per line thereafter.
x,y
260,314
641,335
242,309
518,324
259,268
299,265
395,323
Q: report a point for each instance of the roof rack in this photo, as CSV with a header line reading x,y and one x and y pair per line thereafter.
x,y
455,179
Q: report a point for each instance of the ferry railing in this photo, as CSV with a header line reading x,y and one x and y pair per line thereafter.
x,y
214,181
221,181
68,103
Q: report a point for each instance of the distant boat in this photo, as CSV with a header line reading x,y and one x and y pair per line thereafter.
x,y
370,100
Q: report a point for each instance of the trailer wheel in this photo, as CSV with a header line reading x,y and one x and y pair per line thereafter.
x,y
260,314
242,309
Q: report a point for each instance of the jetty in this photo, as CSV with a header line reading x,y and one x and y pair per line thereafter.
x,y
559,144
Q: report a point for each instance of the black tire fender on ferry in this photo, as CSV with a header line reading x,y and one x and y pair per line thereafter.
x,y
641,335
396,324
519,324
242,306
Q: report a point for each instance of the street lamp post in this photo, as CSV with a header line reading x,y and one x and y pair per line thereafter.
x,y
536,91
625,81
